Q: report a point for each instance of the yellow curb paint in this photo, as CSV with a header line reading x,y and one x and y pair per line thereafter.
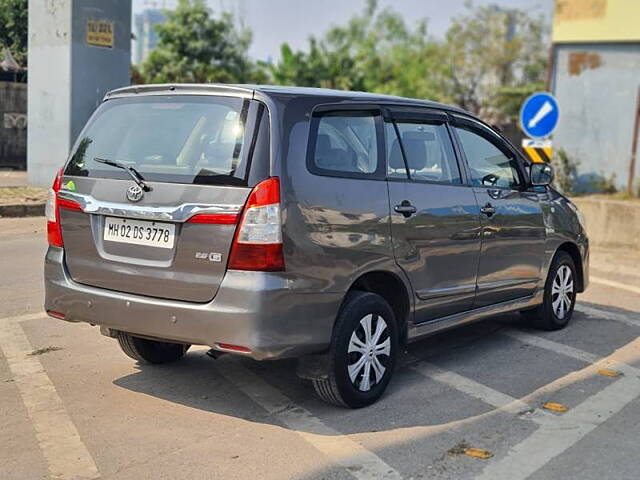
x,y
556,407
609,373
478,453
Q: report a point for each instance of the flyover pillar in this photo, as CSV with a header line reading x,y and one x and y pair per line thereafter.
x,y
78,50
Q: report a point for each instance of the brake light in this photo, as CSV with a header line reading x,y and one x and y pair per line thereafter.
x,y
52,211
257,245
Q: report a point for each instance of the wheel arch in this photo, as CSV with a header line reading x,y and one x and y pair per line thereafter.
x,y
390,287
573,250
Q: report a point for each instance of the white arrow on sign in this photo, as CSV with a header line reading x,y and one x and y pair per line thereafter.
x,y
545,110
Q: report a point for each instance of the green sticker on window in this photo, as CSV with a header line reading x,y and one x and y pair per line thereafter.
x,y
70,185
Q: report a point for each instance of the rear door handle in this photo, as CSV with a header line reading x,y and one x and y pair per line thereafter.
x,y
488,210
405,208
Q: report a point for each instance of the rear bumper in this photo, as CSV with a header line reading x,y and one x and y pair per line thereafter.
x,y
256,310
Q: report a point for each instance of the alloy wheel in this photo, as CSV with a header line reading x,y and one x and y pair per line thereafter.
x,y
562,291
369,352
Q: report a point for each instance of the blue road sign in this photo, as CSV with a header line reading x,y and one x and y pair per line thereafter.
x,y
539,115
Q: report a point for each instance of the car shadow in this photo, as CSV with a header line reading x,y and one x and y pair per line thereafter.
x,y
200,382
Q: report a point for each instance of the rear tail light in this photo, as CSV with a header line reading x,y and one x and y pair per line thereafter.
x,y
52,212
257,245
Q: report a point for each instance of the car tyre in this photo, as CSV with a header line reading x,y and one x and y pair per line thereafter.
x,y
559,295
363,352
150,351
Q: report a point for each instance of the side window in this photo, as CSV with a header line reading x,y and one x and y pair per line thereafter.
x,y
344,142
428,151
396,167
489,165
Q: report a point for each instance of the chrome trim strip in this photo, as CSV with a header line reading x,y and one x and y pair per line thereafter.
x,y
429,293
179,213
511,282
431,327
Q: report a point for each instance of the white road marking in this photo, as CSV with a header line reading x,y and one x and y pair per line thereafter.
x,y
472,388
611,283
66,455
569,351
340,449
561,432
24,318
562,349
617,317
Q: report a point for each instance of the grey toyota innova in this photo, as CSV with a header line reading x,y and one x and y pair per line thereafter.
x,y
277,222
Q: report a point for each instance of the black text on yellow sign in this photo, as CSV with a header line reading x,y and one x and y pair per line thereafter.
x,y
100,33
539,151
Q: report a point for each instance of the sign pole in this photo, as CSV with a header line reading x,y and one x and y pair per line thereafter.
x,y
634,147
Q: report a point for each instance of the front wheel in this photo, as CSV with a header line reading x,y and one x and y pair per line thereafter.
x,y
150,351
559,295
363,352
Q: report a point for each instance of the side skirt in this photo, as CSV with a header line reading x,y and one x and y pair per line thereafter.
x,y
421,330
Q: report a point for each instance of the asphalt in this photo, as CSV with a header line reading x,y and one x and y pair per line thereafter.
x,y
78,408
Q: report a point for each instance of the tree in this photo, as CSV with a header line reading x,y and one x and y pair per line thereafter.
x,y
195,47
375,51
494,54
13,29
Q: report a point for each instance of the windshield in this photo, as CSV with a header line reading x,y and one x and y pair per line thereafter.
x,y
168,139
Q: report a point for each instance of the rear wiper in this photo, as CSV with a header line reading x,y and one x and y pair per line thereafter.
x,y
130,170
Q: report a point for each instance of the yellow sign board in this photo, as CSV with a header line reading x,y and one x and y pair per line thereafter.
x,y
539,151
100,33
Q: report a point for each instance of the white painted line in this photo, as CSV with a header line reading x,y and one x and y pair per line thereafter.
x,y
611,283
24,318
562,349
569,351
338,448
616,317
558,434
472,388
65,454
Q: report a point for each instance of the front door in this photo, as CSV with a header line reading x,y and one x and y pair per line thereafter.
x,y
435,222
513,231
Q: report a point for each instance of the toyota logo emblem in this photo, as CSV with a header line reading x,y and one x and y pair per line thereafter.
x,y
134,193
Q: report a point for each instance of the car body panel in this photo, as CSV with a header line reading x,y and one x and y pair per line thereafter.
x,y
335,231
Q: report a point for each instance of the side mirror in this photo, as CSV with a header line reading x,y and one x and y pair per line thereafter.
x,y
541,174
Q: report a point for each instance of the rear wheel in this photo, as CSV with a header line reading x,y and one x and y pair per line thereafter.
x,y
150,351
559,295
363,352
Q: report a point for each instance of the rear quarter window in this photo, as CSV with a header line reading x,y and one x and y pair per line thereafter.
x,y
346,144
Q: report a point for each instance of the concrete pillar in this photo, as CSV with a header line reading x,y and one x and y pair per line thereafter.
x,y
78,50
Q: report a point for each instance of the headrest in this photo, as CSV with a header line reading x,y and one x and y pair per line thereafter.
x,y
416,153
395,156
323,144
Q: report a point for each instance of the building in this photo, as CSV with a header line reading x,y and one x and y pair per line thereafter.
x,y
145,34
595,75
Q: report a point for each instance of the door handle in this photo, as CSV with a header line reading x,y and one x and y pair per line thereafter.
x,y
488,210
405,208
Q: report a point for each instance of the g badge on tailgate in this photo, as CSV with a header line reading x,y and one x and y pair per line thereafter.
x,y
211,256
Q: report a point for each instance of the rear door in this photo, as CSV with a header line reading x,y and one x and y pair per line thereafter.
x,y
200,156
513,231
434,215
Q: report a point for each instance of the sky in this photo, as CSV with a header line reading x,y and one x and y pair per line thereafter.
x,y
274,22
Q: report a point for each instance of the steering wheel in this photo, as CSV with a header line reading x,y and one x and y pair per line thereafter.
x,y
491,179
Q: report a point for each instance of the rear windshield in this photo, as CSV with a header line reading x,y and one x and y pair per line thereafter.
x,y
180,139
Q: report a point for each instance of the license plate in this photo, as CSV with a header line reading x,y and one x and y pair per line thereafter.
x,y
152,234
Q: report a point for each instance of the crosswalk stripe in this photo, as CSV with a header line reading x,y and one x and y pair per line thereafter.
x,y
340,449
61,445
